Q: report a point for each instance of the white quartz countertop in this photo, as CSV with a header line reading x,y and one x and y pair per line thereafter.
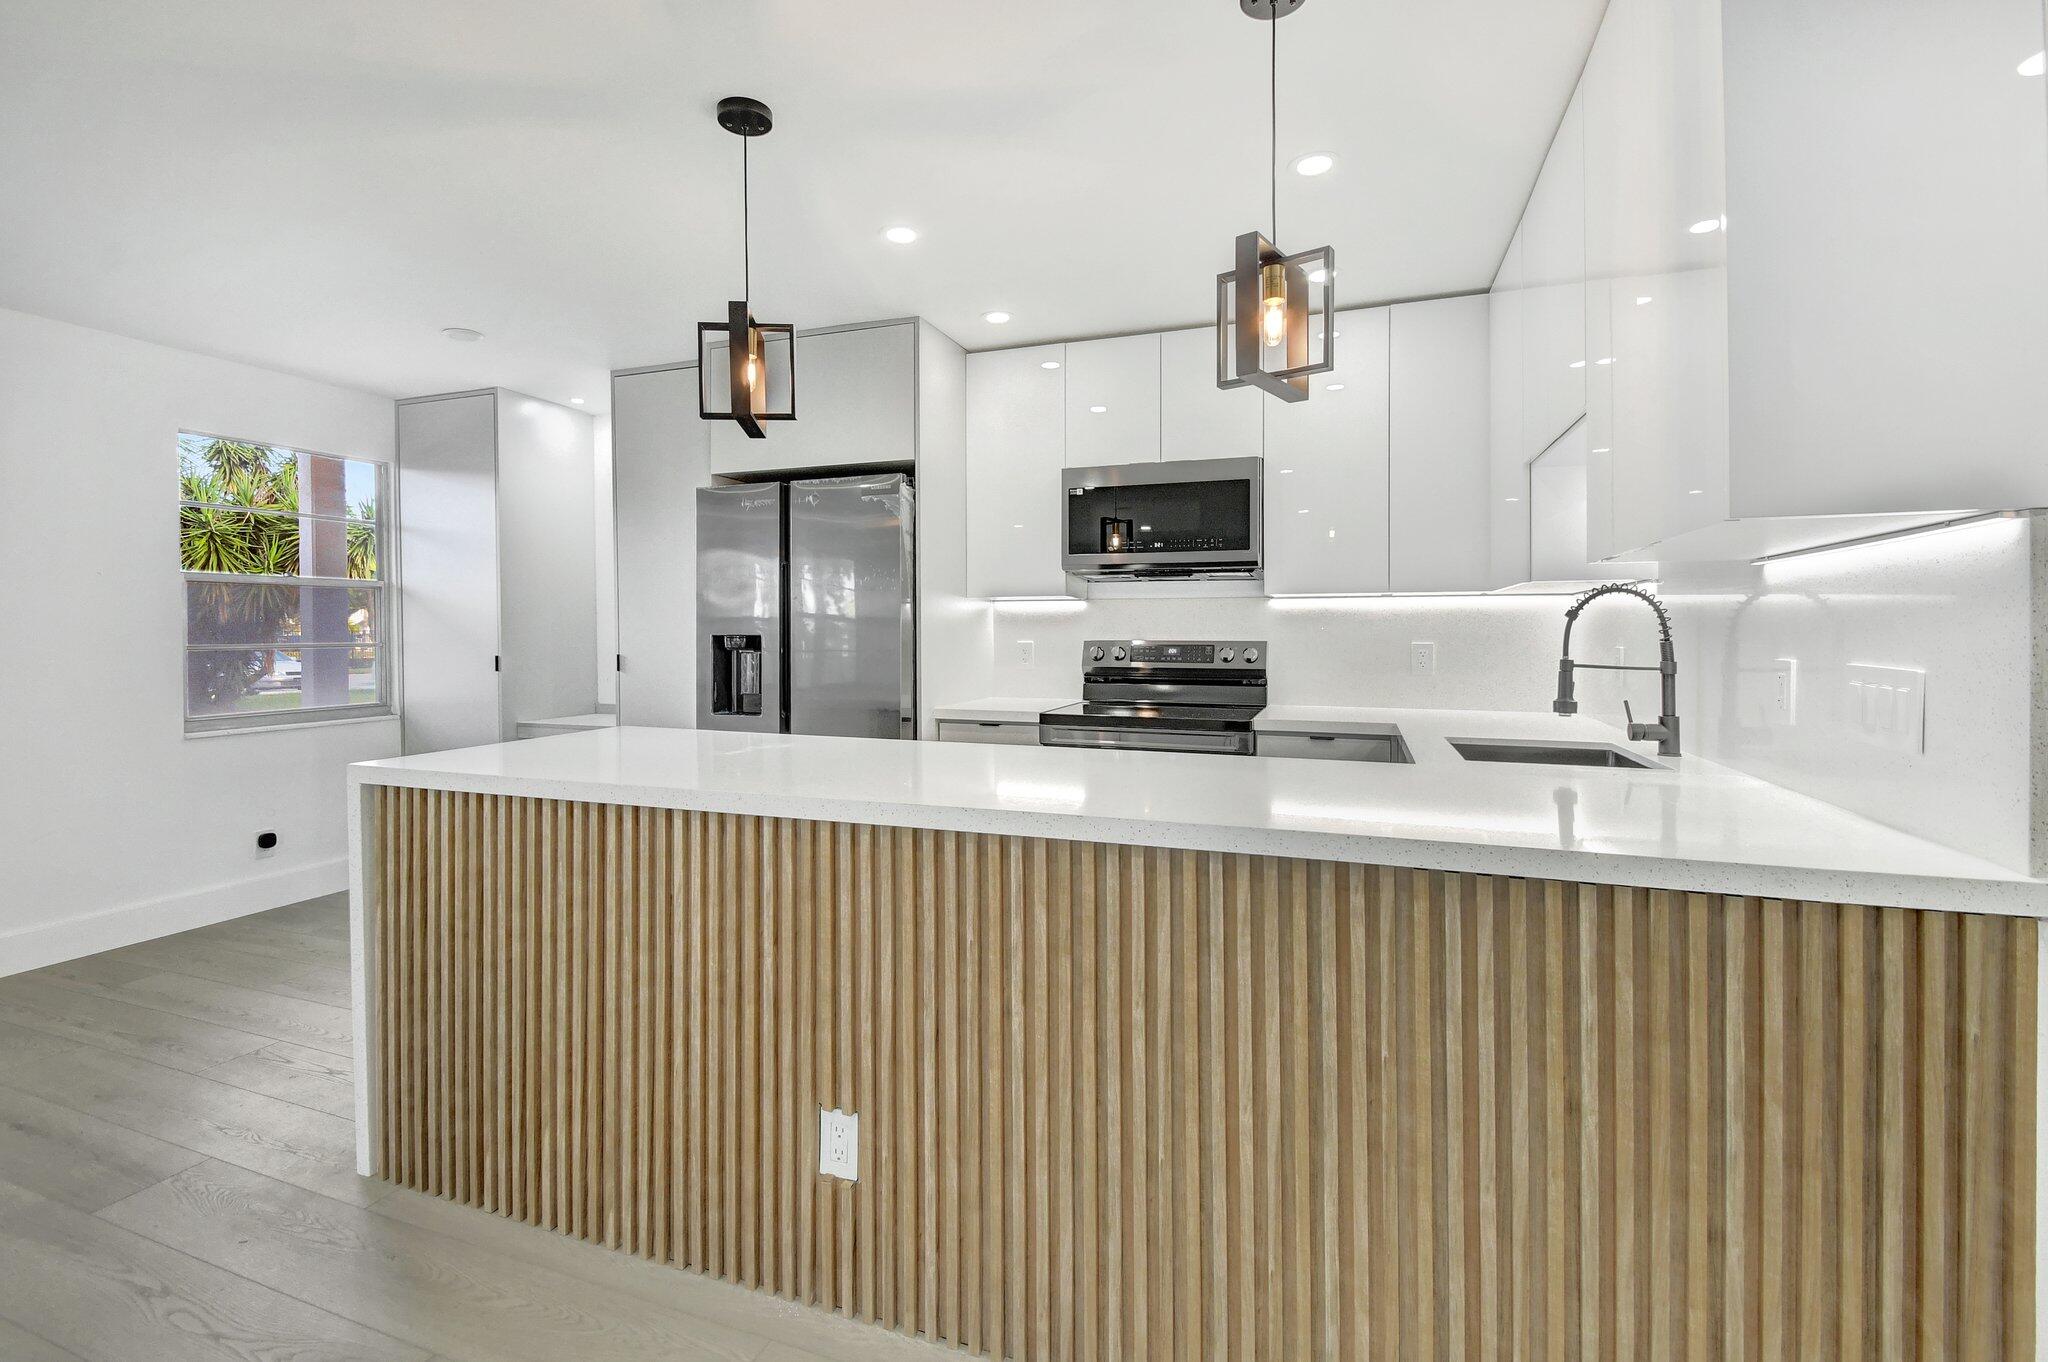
x,y
1001,709
1690,824
1339,720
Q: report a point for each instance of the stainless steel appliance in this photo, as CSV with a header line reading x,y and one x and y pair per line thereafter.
x,y
806,607
1163,696
1189,518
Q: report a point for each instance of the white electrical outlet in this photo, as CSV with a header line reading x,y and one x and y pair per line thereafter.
x,y
1422,659
1025,651
839,1144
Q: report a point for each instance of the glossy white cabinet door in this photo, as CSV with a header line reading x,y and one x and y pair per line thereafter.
x,y
1509,506
1112,401
1656,297
547,560
1438,465
658,463
1197,419
1554,268
1887,214
856,404
448,586
1016,419
1326,471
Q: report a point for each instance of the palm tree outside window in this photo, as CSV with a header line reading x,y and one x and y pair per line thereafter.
x,y
286,616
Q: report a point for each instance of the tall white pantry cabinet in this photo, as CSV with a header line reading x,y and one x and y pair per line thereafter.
x,y
497,565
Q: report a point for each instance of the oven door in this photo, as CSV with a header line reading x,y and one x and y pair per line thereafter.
x,y
1232,744
1165,519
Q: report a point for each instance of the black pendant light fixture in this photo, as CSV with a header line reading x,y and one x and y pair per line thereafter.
x,y
746,370
1273,309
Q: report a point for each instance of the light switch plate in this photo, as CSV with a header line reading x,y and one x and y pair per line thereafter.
x,y
839,1144
1887,706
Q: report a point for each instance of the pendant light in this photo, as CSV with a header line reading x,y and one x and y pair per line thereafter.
x,y
746,370
1273,309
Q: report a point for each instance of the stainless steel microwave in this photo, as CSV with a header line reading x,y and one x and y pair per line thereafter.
x,y
1199,518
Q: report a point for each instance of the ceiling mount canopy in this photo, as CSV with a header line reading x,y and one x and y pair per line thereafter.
x,y
746,370
1273,309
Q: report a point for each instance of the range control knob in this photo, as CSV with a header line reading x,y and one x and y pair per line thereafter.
x,y
1251,655
1095,654
1226,655
1118,654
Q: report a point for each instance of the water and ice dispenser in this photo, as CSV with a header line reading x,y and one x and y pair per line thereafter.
x,y
735,673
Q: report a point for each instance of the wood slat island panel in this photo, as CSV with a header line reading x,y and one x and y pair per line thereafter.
x,y
1122,1102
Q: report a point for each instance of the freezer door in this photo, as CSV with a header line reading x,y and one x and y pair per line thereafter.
x,y
852,607
739,608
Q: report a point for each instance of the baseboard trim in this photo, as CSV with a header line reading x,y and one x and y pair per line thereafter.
x,y
54,942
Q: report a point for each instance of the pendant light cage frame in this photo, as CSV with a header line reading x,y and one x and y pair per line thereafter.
x,y
1275,312
746,369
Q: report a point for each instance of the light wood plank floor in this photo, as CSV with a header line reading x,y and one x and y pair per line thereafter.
x,y
177,1182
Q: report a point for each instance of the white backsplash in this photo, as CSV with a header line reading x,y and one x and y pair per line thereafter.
x,y
1951,613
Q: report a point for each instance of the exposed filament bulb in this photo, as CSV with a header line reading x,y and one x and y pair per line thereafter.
x,y
1273,304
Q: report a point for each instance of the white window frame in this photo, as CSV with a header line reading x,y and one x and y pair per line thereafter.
x,y
385,644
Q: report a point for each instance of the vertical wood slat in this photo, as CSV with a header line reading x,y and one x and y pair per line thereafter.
x,y
1136,1103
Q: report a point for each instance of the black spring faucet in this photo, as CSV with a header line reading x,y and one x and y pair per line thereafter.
x,y
1665,730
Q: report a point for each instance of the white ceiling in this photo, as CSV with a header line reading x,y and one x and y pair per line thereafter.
x,y
321,187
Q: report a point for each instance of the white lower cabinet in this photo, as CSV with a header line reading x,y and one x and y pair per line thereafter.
x,y
1016,451
1001,733
1326,471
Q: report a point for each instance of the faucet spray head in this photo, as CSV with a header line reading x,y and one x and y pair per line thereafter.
x,y
1566,702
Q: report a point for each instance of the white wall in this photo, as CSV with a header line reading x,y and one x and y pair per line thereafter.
x,y
115,827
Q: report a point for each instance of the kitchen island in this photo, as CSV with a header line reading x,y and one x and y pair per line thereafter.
x,y
1177,1056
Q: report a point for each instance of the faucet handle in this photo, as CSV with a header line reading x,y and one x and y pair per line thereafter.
x,y
1629,715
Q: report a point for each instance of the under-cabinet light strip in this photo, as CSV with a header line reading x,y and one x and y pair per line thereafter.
x,y
1886,536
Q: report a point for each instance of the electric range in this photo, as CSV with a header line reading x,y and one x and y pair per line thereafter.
x,y
1163,695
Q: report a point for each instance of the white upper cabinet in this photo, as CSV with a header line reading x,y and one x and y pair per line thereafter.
x,y
1197,419
1887,214
1656,300
1438,465
1112,401
1509,504
1554,278
658,452
856,404
1016,447
1326,471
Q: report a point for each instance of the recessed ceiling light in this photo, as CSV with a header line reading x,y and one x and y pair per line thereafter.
x,y
1313,163
1098,410
1333,387
1702,228
995,318
462,333
1645,301
575,401
1050,364
2036,65
901,236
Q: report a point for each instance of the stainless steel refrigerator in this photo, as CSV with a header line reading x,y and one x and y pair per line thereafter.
x,y
807,607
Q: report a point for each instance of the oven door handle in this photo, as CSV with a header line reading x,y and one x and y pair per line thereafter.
x,y
1145,740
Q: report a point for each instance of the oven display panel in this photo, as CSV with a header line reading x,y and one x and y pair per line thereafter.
x,y
1174,652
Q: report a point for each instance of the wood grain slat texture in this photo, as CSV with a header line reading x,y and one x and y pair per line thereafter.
x,y
1127,1103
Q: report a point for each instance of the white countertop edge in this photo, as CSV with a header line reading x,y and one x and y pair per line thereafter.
x,y
2017,897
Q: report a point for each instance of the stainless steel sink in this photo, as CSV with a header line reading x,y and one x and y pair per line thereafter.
x,y
1551,753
